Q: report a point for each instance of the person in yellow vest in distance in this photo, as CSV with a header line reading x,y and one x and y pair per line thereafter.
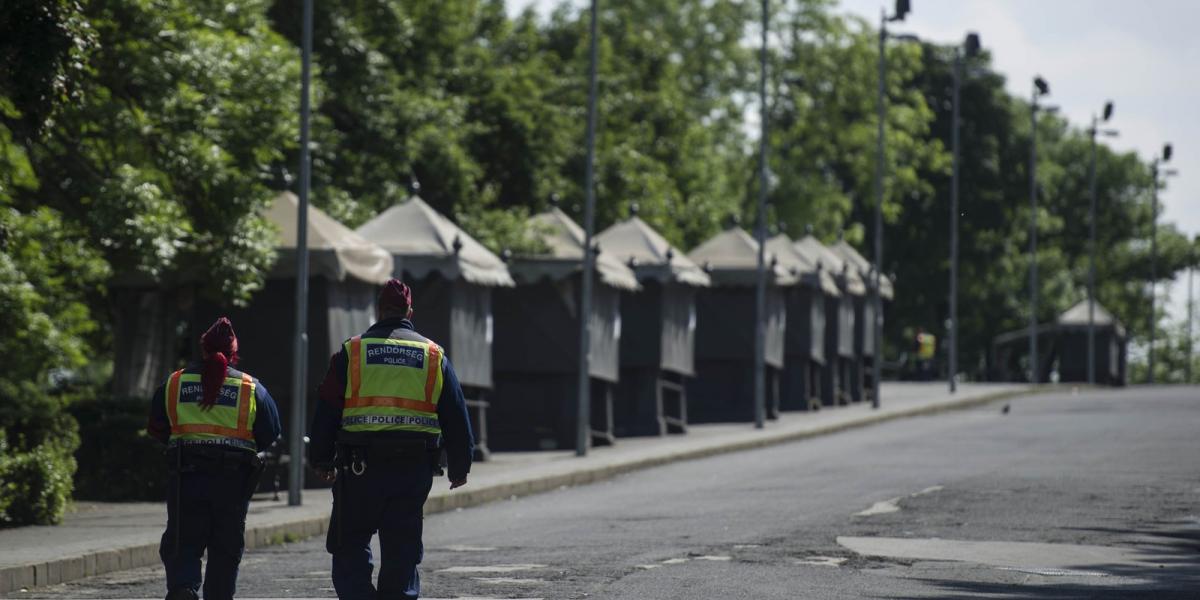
x,y
215,421
926,353
390,405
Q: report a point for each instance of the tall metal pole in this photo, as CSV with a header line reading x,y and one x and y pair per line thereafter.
x,y
583,433
881,113
1091,352
1034,369
1187,368
954,226
760,234
1153,269
300,341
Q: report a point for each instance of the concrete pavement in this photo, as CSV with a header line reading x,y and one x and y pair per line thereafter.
x,y
100,538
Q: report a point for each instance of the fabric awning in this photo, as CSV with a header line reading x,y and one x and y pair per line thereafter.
x,y
335,252
649,254
423,241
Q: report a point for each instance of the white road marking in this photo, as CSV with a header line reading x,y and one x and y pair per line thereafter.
x,y
675,561
1022,555
821,561
893,505
745,546
880,508
491,569
509,580
715,558
648,567
1056,572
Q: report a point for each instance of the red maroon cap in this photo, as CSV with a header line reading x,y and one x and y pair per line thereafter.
x,y
395,297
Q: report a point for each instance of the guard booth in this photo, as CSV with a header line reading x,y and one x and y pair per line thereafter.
x,y
1062,349
804,342
839,384
723,389
536,351
864,315
452,277
1072,350
659,322
345,271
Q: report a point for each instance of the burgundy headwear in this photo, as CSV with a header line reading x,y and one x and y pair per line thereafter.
x,y
396,298
220,350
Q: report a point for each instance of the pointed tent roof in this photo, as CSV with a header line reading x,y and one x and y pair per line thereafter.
x,y
731,258
811,248
1078,316
335,252
565,240
424,241
795,263
864,266
649,254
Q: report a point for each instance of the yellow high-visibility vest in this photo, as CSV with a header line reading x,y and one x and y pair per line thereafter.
x,y
393,385
230,421
926,346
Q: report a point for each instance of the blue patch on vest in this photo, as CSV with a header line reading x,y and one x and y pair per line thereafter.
x,y
193,391
394,355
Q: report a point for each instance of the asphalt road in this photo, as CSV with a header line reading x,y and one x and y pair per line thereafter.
x,y
1089,495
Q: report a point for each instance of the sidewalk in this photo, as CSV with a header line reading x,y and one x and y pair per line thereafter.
x,y
101,537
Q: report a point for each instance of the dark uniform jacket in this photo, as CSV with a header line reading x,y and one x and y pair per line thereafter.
x,y
266,421
453,419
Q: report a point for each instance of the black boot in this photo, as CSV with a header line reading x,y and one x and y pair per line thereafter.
x,y
182,593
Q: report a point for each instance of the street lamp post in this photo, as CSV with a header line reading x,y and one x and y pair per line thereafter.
x,y
583,421
1095,130
760,234
1040,88
902,9
300,340
1187,368
1155,172
970,47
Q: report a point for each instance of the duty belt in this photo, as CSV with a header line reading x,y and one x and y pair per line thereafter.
x,y
202,457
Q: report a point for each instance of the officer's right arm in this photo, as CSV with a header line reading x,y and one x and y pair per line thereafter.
x,y
157,425
328,417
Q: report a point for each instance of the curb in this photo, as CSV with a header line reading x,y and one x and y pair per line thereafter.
x,y
97,563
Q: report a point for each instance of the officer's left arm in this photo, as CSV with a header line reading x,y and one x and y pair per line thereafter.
x,y
456,425
267,426
157,424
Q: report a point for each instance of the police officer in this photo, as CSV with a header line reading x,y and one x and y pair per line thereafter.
x,y
390,405
215,420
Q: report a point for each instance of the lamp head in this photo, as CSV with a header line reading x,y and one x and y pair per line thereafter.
x,y
971,44
1042,87
1167,153
902,8
1108,108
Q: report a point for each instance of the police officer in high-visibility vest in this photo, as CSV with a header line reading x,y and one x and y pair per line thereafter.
x,y
926,353
215,420
390,406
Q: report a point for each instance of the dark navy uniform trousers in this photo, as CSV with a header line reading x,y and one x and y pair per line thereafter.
x,y
388,498
209,513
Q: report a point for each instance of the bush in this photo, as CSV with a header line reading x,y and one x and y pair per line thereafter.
x,y
35,472
117,460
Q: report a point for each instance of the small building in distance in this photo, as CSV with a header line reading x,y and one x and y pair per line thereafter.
x,y
842,382
659,323
452,277
723,389
804,343
864,314
536,352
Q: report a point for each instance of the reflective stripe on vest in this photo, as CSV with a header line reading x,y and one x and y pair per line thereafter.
x,y
230,420
393,385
